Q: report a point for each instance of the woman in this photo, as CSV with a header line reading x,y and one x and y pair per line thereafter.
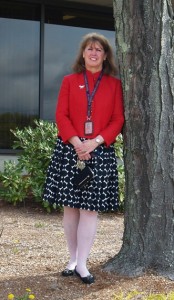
x,y
89,116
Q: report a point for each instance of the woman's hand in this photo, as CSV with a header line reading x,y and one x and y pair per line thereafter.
x,y
81,151
84,149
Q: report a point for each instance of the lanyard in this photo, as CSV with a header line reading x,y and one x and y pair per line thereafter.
x,y
91,96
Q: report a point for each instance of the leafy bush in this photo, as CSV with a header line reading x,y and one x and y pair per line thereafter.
x,y
15,186
37,145
121,177
26,177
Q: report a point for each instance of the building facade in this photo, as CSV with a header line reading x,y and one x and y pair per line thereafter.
x,y
39,41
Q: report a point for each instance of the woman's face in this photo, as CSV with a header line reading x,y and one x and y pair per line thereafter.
x,y
94,56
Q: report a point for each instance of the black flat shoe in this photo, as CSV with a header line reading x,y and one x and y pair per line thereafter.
x,y
88,279
67,272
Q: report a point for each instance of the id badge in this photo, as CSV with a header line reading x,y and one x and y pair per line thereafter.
x,y
88,127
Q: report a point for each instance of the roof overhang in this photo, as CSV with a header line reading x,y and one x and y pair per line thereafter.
x,y
105,3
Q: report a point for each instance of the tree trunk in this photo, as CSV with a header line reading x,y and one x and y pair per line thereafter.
x,y
145,45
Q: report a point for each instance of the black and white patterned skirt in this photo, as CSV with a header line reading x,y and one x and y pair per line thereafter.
x,y
101,194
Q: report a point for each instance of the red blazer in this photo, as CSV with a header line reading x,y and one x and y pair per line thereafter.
x,y
107,107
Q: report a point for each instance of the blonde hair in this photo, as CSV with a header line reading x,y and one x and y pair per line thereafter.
x,y
109,66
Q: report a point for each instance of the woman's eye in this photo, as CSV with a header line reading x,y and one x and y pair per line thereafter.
x,y
97,49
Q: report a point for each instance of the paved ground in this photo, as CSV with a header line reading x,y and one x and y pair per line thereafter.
x,y
33,253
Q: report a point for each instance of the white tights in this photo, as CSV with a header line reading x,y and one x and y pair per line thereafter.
x,y
80,229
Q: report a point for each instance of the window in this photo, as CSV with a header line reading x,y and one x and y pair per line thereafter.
x,y
19,69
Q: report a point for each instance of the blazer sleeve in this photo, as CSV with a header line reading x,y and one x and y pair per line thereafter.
x,y
117,118
64,124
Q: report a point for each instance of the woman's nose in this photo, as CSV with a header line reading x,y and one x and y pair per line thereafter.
x,y
94,51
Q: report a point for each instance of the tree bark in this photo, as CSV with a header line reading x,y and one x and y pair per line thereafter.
x,y
145,51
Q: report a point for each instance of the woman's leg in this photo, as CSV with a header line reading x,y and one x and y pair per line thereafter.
x,y
85,238
70,223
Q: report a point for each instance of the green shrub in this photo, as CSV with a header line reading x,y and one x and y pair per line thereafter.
x,y
37,145
15,187
26,177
